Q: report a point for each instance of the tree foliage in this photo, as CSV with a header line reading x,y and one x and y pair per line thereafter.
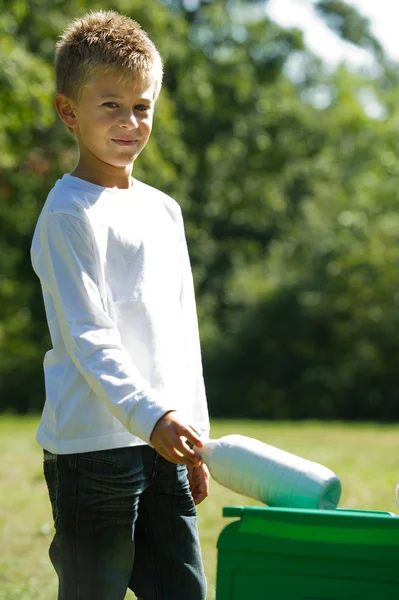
x,y
287,176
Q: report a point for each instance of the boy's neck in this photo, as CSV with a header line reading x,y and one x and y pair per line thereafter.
x,y
108,176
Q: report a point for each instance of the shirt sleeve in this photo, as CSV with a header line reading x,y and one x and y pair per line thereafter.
x,y
68,269
189,311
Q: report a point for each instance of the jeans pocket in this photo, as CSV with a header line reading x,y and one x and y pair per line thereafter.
x,y
118,460
110,480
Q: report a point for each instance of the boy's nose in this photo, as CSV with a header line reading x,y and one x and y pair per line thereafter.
x,y
128,121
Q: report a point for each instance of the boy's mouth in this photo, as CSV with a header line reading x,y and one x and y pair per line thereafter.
x,y
124,141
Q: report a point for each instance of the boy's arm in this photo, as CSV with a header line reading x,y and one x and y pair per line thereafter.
x,y
68,271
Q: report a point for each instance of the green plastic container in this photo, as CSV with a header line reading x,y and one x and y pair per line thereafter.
x,y
294,554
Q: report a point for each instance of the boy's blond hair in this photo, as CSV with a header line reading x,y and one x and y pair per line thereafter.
x,y
101,41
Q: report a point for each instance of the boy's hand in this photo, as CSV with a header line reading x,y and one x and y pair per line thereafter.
x,y
198,478
168,439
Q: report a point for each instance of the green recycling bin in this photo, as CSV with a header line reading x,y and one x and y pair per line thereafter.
x,y
297,554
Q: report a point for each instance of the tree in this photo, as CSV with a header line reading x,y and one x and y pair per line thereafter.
x,y
287,184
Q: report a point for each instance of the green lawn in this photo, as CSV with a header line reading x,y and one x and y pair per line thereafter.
x,y
365,457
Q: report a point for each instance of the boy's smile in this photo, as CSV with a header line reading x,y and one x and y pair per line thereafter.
x,y
112,122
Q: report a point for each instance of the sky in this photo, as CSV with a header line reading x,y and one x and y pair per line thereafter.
x,y
383,14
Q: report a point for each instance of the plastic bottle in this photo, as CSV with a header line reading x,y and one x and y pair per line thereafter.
x,y
270,475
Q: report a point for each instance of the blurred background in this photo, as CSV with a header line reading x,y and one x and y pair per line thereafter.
x,y
277,132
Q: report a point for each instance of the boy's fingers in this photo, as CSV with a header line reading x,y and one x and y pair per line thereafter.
x,y
189,454
173,455
174,440
193,437
177,451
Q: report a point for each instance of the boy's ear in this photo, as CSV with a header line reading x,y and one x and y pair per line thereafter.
x,y
65,110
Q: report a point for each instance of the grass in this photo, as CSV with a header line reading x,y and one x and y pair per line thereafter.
x,y
365,457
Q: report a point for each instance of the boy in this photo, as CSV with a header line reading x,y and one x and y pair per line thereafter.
x,y
124,385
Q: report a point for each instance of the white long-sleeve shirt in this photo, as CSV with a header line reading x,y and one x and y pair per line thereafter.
x,y
119,298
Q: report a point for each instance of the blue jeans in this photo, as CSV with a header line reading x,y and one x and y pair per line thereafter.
x,y
123,518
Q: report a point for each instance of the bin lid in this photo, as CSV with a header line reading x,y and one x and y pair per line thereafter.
x,y
260,512
331,526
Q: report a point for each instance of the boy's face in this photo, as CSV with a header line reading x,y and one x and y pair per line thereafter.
x,y
113,121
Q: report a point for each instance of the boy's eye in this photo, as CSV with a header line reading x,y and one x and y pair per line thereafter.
x,y
110,104
142,107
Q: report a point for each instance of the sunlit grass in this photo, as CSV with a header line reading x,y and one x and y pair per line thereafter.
x,y
365,457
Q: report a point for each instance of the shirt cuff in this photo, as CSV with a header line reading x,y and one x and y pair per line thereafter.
x,y
149,409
